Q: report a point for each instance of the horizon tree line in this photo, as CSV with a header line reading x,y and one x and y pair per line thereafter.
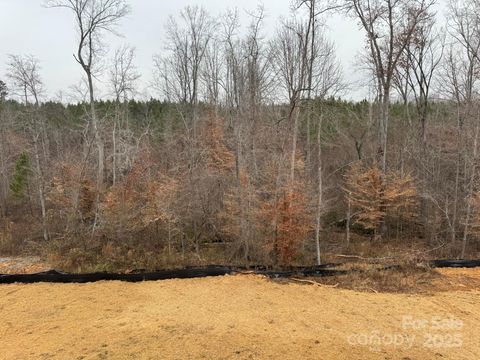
x,y
249,157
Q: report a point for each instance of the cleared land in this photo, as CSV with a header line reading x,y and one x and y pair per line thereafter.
x,y
235,317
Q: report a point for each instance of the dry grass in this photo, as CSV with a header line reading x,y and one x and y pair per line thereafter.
x,y
375,278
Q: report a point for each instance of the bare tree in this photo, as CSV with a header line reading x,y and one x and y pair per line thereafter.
x,y
255,80
232,82
124,74
246,85
462,63
3,90
389,27
425,56
93,19
3,165
422,57
123,79
212,73
290,58
25,77
470,188
460,84
178,75
24,73
305,60
314,10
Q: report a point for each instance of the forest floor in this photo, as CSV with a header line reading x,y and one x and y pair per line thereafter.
x,y
241,317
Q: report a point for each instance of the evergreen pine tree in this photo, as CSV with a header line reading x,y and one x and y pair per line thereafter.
x,y
19,180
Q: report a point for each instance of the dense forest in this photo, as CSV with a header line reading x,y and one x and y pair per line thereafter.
x,y
248,153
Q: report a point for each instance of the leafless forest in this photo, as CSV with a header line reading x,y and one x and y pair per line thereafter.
x,y
248,153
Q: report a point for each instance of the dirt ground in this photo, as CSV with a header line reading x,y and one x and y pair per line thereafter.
x,y
22,265
236,317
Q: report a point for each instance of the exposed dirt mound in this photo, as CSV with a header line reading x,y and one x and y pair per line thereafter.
x,y
458,279
406,279
234,317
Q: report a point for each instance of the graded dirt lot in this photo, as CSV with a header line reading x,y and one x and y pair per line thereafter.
x,y
234,317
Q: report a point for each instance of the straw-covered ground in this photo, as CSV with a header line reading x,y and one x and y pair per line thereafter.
x,y
239,317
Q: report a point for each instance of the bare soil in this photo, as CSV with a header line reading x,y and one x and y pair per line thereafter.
x,y
22,265
408,279
238,317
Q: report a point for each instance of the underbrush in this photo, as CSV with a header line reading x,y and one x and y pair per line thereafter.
x,y
380,278
111,257
84,254
18,238
371,266
390,251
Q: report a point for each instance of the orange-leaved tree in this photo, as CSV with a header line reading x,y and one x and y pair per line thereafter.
x,y
142,199
375,197
286,223
218,157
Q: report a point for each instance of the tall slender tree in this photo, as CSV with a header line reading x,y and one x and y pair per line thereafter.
x,y
24,73
93,19
389,26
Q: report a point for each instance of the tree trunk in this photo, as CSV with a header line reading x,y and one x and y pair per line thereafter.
x,y
457,177
3,173
319,191
114,153
40,187
295,115
470,193
308,138
384,118
100,149
96,133
347,225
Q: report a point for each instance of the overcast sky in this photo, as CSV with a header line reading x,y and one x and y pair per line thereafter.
x,y
49,34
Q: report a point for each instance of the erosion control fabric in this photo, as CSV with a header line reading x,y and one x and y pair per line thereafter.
x,y
213,270
60,277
